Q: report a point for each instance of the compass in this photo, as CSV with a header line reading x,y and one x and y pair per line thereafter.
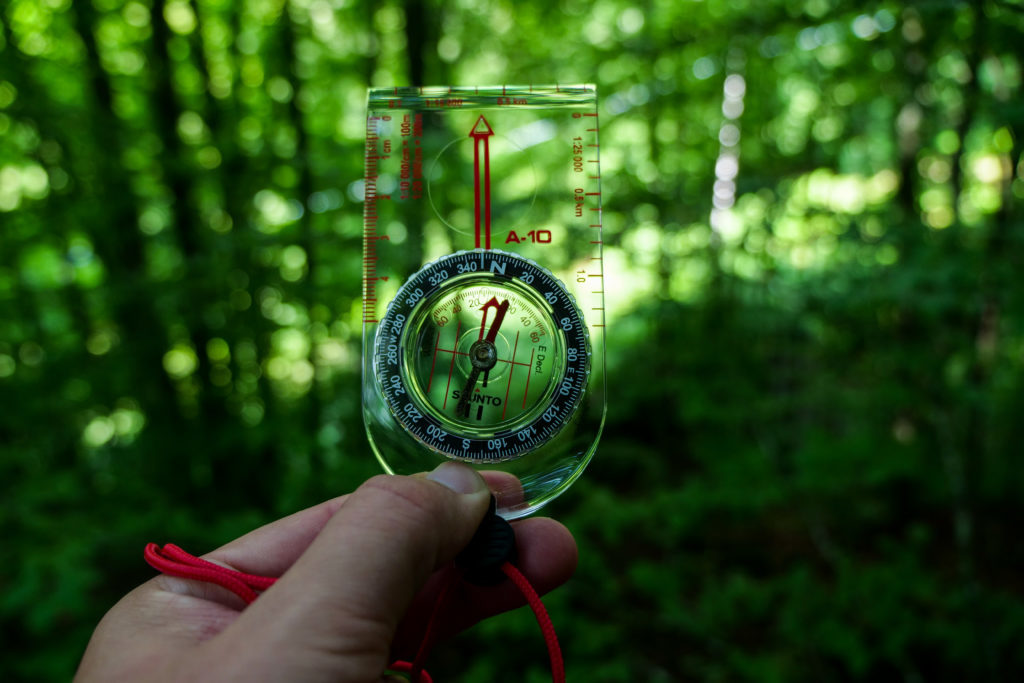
x,y
483,285
482,356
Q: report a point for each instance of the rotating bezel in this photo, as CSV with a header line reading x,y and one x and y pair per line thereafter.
x,y
520,435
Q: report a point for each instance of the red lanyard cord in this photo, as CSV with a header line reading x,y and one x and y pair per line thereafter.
x,y
174,561
546,627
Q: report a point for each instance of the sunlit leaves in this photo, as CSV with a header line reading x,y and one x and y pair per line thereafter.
x,y
179,16
275,211
122,425
180,362
101,341
22,182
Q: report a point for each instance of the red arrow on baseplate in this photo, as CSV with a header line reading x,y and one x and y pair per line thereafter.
x,y
481,133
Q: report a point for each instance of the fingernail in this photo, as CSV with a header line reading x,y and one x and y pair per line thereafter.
x,y
458,478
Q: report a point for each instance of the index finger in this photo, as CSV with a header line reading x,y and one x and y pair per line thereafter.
x,y
273,548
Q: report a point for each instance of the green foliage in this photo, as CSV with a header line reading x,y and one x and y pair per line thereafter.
x,y
813,229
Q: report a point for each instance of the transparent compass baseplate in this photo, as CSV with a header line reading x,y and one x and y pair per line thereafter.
x,y
493,357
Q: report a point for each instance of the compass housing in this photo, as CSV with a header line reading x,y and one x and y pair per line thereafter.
x,y
431,348
528,374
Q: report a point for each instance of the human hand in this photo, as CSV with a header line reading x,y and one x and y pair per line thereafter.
x,y
359,577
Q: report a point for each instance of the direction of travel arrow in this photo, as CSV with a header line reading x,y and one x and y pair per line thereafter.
x,y
481,133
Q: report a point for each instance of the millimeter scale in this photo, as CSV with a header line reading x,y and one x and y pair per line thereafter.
x,y
483,284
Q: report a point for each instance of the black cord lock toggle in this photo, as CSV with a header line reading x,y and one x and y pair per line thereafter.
x,y
493,544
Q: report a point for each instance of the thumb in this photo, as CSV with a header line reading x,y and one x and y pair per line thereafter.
x,y
333,615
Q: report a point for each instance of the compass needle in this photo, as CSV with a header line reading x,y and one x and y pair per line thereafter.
x,y
499,316
483,355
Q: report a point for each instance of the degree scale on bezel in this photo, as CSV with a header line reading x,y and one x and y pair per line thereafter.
x,y
537,373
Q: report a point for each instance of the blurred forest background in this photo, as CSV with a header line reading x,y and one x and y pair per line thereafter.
x,y
813,218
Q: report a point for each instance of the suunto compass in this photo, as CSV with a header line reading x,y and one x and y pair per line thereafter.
x,y
482,356
483,285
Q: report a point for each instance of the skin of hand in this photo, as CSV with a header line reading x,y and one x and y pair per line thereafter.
x,y
359,576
